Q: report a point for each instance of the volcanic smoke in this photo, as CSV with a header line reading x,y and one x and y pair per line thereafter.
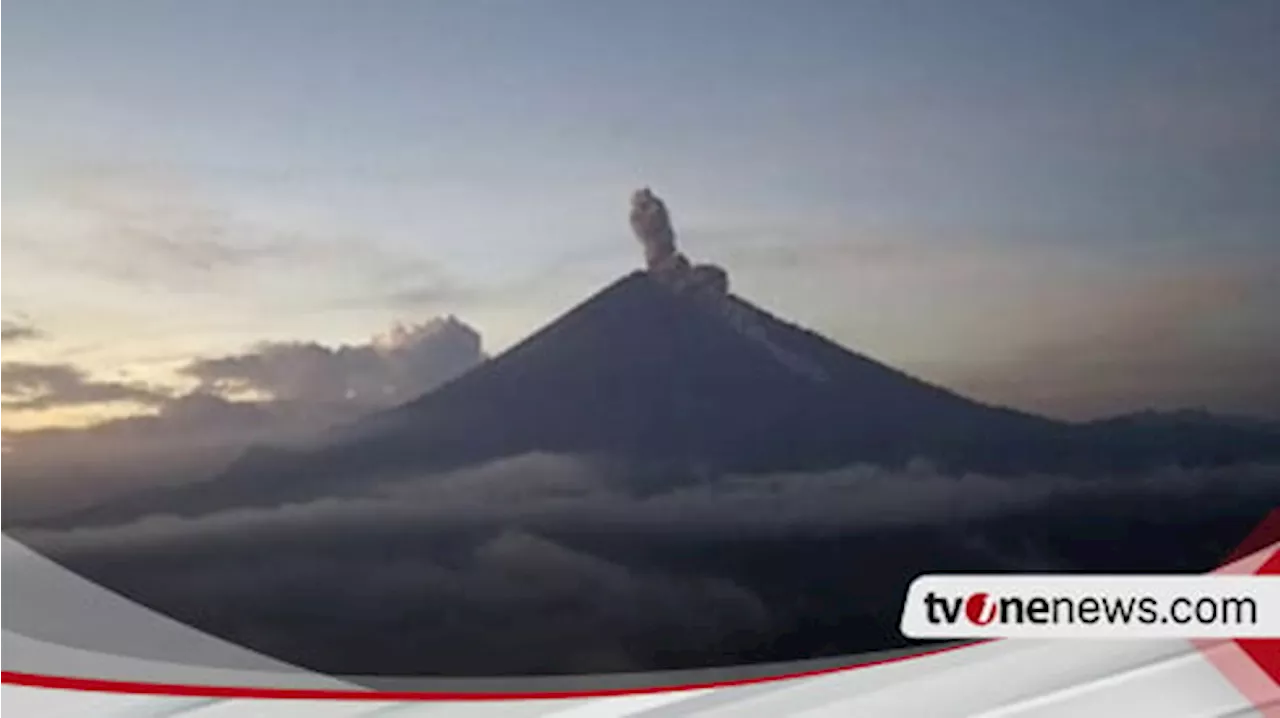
x,y
652,225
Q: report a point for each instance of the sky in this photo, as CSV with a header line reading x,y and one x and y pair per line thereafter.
x,y
1072,208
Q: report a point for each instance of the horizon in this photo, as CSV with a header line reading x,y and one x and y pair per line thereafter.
x,y
1062,210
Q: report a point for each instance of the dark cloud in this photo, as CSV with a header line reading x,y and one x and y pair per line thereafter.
x,y
16,330
31,386
546,492
556,564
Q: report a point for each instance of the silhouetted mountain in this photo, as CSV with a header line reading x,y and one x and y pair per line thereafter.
x,y
646,375
1190,418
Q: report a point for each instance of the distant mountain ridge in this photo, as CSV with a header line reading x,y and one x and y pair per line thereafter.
x,y
1191,417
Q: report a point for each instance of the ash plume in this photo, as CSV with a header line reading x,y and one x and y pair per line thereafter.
x,y
651,223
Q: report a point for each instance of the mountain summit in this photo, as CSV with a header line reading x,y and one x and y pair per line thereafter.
x,y
663,367
666,369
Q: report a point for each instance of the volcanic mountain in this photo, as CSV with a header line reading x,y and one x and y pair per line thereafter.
x,y
645,374
666,376
668,379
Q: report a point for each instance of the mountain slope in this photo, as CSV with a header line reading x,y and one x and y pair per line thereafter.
x,y
641,372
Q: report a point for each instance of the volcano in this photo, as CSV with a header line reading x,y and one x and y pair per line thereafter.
x,y
641,373
666,370
643,376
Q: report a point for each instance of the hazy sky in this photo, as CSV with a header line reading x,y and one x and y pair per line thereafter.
x,y
1070,206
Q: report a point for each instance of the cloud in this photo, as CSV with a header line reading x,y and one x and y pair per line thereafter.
x,y
396,367
547,492
28,386
548,563
278,393
16,330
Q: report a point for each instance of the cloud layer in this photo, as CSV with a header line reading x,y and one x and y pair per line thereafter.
x,y
546,492
557,564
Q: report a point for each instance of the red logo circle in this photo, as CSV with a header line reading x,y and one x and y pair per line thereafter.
x,y
979,609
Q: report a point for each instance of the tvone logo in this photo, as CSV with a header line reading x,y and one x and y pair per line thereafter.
x,y
980,609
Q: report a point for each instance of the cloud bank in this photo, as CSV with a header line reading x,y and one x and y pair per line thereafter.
x,y
278,392
391,368
557,564
544,492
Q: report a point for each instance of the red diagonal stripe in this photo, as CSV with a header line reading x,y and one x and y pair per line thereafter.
x,y
1264,651
1263,535
1259,659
